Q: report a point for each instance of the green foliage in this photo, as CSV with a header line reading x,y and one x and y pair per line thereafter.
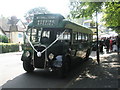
x,y
39,10
3,39
13,20
84,9
8,47
111,11
112,14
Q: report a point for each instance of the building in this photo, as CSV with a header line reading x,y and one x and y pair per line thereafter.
x,y
14,33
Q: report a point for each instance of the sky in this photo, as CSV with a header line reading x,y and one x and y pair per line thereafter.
x,y
20,7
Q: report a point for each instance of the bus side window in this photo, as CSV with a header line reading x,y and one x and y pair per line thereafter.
x,y
79,36
86,37
66,35
75,37
83,37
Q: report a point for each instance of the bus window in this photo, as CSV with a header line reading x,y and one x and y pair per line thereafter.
x,y
45,37
79,36
31,34
75,37
87,37
65,36
46,34
83,36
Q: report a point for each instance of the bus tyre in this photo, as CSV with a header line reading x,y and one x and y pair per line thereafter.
x,y
63,71
27,66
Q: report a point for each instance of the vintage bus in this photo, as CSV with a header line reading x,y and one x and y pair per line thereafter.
x,y
51,42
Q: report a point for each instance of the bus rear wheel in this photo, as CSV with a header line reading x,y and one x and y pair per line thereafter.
x,y
28,66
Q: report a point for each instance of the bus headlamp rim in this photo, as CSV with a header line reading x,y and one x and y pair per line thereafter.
x,y
27,53
51,56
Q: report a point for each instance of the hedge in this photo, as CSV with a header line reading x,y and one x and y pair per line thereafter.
x,y
8,47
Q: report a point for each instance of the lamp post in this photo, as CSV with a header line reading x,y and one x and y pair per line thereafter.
x,y
97,51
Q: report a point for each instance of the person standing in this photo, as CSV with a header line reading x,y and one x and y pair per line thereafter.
x,y
111,44
101,46
107,43
20,47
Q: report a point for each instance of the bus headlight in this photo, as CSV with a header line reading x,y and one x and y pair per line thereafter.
x,y
51,56
27,53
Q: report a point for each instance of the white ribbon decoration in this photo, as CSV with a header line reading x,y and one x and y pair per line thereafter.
x,y
40,53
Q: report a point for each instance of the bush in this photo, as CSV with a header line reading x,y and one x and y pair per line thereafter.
x,y
3,39
8,47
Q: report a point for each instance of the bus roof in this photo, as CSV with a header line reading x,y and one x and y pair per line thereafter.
x,y
77,28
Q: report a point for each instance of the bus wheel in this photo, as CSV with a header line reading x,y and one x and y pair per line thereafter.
x,y
63,71
28,66
87,54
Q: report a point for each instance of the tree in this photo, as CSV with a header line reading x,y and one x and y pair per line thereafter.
x,y
84,9
39,10
111,15
111,11
3,39
13,20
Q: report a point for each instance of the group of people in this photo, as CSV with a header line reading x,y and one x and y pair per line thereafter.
x,y
111,44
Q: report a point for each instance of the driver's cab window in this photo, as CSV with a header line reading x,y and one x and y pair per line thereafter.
x,y
46,34
45,37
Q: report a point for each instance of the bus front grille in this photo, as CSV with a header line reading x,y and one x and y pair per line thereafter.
x,y
39,61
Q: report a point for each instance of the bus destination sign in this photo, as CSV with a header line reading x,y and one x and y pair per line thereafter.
x,y
45,20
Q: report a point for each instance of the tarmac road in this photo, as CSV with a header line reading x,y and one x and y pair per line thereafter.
x,y
10,66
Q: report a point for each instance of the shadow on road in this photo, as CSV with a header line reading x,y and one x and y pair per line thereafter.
x,y
104,75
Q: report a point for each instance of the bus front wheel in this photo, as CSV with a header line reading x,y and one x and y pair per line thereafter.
x,y
28,66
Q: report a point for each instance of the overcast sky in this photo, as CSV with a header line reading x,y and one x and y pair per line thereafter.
x,y
20,7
